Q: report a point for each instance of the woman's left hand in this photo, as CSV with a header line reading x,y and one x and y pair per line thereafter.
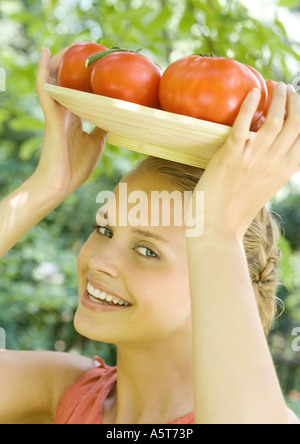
x,y
245,174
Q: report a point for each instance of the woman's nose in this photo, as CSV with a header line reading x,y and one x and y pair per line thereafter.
x,y
105,260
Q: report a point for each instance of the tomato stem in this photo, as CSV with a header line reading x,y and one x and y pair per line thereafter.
x,y
211,54
100,55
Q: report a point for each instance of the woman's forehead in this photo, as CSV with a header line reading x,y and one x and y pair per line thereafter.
x,y
141,199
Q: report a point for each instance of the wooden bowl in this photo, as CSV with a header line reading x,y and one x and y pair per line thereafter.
x,y
146,130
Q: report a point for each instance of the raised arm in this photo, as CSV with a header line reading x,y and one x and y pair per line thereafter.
x,y
23,209
68,158
234,376
31,383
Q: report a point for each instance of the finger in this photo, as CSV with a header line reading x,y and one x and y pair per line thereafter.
x,y
293,108
43,77
98,133
240,131
98,139
48,104
43,67
293,155
275,118
291,127
74,125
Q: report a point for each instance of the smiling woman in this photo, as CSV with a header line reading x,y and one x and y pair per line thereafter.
x,y
188,315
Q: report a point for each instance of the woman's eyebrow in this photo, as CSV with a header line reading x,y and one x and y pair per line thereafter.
x,y
138,231
149,234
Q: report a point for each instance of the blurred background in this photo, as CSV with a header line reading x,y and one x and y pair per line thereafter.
x,y
38,280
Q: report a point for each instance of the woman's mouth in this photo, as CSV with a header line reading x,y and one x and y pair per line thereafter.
x,y
98,300
104,298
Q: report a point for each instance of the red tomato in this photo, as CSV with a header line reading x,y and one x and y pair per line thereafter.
x,y
72,71
127,76
258,124
209,88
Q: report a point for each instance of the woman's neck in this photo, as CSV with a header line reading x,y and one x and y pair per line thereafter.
x,y
155,382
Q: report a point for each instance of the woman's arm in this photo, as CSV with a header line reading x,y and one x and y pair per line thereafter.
x,y
23,209
68,158
235,380
31,383
234,377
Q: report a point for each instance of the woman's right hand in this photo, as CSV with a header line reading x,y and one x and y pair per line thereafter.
x,y
247,172
69,154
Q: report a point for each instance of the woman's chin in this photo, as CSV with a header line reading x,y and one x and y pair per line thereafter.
x,y
92,328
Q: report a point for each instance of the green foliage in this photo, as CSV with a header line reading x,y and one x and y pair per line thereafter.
x,y
38,285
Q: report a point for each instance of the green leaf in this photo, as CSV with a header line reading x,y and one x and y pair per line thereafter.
x,y
289,3
160,20
186,22
137,14
25,123
29,147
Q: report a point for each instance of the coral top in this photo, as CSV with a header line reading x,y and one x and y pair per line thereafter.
x,y
82,402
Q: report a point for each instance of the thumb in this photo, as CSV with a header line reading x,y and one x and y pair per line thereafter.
x,y
49,105
98,135
97,143
43,75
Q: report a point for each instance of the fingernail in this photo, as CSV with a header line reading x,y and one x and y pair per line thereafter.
x,y
291,87
281,86
44,49
255,93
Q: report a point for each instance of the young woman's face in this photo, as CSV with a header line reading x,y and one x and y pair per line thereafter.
x,y
148,276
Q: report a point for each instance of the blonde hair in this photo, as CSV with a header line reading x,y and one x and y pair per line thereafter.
x,y
260,240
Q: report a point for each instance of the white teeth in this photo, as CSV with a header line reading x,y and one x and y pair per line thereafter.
x,y
103,296
97,293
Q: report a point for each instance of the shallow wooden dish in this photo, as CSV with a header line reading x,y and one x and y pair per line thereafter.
x,y
146,130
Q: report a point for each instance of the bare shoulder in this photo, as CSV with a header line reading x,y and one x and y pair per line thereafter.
x,y
60,371
292,417
63,369
32,383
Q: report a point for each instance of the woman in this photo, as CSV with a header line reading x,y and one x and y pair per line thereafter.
x,y
188,314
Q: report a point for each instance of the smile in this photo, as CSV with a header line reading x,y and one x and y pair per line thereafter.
x,y
104,298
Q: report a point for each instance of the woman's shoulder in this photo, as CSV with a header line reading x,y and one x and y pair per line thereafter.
x,y
32,373
60,371
64,369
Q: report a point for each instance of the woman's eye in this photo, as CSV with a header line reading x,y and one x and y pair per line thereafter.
x,y
151,255
148,253
103,230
